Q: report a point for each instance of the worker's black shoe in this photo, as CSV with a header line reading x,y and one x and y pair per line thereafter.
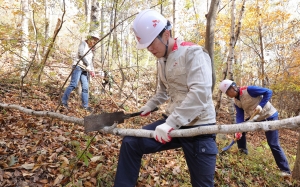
x,y
244,151
65,105
89,109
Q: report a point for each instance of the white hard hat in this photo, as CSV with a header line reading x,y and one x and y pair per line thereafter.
x,y
94,34
225,84
146,27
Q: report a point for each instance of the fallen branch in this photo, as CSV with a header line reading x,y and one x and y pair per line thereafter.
x,y
56,115
289,123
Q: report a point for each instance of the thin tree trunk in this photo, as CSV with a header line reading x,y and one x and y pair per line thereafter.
x,y
47,53
87,6
25,34
227,69
95,16
296,170
262,58
38,55
210,35
101,34
48,21
174,17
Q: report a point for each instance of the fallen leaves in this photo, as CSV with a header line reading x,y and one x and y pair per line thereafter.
x,y
27,166
43,152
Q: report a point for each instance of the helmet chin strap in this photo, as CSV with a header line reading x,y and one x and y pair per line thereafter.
x,y
167,45
237,91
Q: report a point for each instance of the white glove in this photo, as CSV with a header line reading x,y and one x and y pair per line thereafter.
x,y
161,133
258,109
145,110
254,118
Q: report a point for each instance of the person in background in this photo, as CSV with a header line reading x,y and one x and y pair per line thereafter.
x,y
82,70
255,99
185,80
107,80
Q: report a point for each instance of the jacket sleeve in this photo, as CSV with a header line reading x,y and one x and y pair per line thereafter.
x,y
199,83
82,50
255,91
160,97
240,114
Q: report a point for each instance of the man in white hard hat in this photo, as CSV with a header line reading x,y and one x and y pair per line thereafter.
x,y
255,99
185,80
82,70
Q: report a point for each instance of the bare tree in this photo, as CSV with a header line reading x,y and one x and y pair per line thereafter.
x,y
210,35
25,34
296,170
95,16
227,69
87,7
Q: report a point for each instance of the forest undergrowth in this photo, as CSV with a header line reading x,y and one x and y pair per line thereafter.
x,y
39,151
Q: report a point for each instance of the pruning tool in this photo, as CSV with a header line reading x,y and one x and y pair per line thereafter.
x,y
240,135
99,121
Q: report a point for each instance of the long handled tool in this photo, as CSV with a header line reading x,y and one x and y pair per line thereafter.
x,y
236,138
97,122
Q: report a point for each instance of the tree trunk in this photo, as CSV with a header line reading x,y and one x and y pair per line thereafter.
x,y
49,50
174,18
25,34
87,7
262,58
296,170
210,33
227,69
95,16
48,17
38,55
101,35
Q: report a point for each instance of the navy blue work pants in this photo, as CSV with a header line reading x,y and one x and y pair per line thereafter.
x,y
273,141
200,153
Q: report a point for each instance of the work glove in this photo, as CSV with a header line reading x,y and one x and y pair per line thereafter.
x,y
258,109
161,133
254,118
238,135
146,110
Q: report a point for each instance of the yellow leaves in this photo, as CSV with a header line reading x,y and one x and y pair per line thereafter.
x,y
17,12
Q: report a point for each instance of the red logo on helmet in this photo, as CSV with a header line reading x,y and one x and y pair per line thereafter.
x,y
138,38
155,22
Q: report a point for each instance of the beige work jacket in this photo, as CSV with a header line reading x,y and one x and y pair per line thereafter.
x,y
185,80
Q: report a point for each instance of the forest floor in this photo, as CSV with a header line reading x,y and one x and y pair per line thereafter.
x,y
39,151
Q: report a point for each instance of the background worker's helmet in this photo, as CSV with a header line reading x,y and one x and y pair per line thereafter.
x,y
225,84
95,35
146,26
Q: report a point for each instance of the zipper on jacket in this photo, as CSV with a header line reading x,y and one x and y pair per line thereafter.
x,y
165,62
